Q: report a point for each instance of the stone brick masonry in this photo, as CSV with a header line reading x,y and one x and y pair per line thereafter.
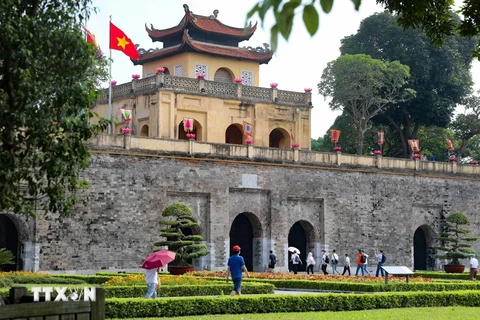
x,y
115,225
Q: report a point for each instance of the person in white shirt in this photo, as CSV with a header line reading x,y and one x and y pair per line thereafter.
x,y
473,267
347,265
324,262
310,263
151,277
295,261
366,263
334,260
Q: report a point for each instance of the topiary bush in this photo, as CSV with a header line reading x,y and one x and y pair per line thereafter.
x,y
186,247
456,244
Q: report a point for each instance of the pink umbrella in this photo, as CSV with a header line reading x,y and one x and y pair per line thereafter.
x,y
158,259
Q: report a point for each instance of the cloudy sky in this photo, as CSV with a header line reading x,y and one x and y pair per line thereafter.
x,y
296,65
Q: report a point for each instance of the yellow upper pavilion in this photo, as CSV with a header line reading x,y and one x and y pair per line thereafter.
x,y
201,73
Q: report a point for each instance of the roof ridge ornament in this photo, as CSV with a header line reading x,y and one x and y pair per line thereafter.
x,y
215,14
264,49
185,7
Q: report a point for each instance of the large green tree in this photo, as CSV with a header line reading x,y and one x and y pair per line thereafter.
x,y
348,140
467,125
434,17
439,75
364,87
48,75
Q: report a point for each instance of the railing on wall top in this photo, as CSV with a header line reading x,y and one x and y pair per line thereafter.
x,y
162,81
248,152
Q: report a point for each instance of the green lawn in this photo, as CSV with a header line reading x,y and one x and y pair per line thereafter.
x,y
445,313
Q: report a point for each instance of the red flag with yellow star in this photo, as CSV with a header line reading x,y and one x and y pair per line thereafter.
x,y
119,41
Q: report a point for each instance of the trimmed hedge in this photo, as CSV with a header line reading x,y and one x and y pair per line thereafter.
x,y
90,279
176,307
369,287
4,292
39,279
443,275
183,291
179,291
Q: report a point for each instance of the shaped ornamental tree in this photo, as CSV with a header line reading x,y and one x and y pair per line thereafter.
x,y
175,228
456,244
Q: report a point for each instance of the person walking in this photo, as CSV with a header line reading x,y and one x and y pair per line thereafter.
x,y
236,267
310,263
334,261
360,262
324,262
346,266
153,283
295,261
272,261
365,265
381,259
473,267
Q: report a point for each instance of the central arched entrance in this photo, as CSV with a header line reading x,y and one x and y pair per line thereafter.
x,y
423,240
302,237
9,240
245,232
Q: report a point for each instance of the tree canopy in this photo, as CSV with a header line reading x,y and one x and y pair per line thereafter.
x,y
440,76
434,17
364,87
467,125
48,76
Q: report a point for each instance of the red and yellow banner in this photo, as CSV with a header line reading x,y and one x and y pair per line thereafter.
x,y
335,135
247,129
450,145
381,137
414,145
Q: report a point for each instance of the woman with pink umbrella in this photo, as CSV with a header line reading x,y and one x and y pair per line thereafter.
x,y
152,265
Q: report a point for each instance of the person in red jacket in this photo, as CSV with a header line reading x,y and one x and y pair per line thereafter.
x,y
360,263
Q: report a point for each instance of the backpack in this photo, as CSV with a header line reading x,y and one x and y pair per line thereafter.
x,y
384,258
296,258
273,258
363,259
327,259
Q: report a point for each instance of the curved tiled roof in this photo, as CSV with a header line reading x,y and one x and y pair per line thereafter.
x,y
189,45
203,23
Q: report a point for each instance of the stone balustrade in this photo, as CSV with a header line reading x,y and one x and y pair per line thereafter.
x,y
143,145
162,81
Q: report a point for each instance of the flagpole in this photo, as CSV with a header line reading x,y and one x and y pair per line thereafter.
x,y
110,90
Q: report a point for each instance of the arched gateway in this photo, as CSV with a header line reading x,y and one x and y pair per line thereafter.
x,y
245,232
302,237
423,239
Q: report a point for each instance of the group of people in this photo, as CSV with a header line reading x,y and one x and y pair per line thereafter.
x,y
333,260
236,267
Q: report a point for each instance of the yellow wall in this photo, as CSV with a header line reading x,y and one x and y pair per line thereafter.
x,y
164,111
190,59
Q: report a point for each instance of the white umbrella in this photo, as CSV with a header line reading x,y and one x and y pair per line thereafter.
x,y
293,249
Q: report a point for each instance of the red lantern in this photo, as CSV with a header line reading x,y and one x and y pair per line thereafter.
x,y
188,125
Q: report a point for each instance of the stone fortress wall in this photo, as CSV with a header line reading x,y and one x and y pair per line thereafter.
x,y
342,203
